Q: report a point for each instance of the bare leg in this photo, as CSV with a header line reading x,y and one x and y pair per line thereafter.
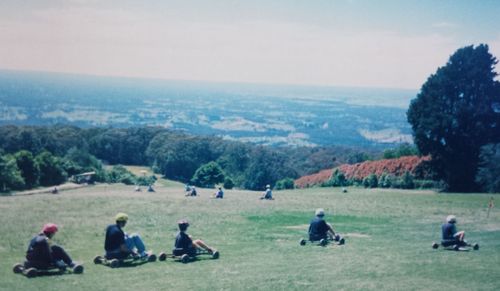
x,y
202,245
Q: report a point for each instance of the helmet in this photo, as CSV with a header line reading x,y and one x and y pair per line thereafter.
x,y
451,219
49,228
121,217
320,212
268,186
183,224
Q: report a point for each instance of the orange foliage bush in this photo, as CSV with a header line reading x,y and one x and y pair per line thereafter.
x,y
313,179
359,171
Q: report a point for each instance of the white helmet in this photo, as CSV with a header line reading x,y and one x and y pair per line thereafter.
x,y
451,219
320,212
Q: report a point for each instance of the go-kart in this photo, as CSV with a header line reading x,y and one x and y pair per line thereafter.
x,y
30,271
130,260
180,255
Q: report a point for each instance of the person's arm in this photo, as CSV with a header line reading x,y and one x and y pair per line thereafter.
x,y
124,248
330,228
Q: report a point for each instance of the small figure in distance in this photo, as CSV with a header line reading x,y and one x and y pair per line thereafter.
x,y
137,188
119,245
219,194
55,190
320,230
344,190
193,191
42,254
452,237
184,244
188,189
268,194
150,188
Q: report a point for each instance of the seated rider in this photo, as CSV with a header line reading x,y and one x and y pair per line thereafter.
x,y
319,229
43,254
219,193
193,191
452,237
120,245
268,194
185,245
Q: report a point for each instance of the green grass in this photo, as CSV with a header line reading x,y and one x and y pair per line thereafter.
x,y
389,235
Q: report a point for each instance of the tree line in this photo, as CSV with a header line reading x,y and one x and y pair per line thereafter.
x,y
49,155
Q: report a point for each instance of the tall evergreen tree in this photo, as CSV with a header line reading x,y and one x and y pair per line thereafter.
x,y
29,169
456,112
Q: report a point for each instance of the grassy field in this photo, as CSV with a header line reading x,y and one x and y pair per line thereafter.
x,y
388,246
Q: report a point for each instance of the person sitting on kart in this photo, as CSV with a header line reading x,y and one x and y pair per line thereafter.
x,y
268,194
43,254
452,237
219,193
185,245
119,245
320,230
192,191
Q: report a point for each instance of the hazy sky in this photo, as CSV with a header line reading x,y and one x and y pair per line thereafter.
x,y
348,43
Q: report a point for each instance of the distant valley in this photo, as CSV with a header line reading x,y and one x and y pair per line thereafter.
x,y
274,115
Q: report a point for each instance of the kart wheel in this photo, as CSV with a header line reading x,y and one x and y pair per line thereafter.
x,y
185,259
162,257
302,242
323,242
341,241
475,247
435,245
78,269
114,263
98,260
30,273
152,258
215,255
18,268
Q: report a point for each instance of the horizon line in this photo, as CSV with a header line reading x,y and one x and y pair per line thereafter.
x,y
206,81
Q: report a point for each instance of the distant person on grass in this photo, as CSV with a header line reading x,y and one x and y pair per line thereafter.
x,y
219,193
185,245
452,237
192,192
119,245
43,254
268,194
320,230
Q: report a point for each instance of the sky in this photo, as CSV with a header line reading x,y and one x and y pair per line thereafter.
x,y
354,43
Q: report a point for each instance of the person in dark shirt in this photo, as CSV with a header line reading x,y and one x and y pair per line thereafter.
x,y
43,254
219,193
119,245
184,244
268,194
320,230
191,191
452,237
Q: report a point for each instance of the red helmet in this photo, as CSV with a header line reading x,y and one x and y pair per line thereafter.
x,y
49,228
